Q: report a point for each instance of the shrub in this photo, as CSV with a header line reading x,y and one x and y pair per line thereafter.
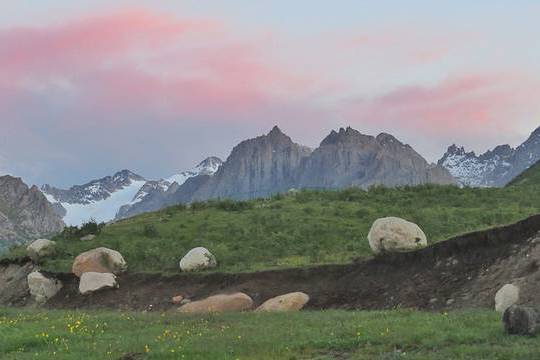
x,y
150,231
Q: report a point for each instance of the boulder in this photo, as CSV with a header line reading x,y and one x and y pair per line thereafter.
x,y
507,296
94,281
289,302
218,304
101,260
198,258
392,234
521,320
88,237
41,248
14,283
41,287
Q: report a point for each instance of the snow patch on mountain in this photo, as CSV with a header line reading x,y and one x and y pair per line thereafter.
x,y
207,167
101,210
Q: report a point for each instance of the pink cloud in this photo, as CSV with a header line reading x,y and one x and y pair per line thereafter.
x,y
472,108
140,60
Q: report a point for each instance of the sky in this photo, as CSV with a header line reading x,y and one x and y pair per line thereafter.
x,y
88,88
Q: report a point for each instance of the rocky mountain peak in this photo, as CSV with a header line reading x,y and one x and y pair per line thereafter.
x,y
208,166
24,212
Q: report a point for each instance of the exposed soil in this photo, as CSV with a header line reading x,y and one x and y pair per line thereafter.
x,y
463,272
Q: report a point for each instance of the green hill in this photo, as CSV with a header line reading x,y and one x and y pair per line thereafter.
x,y
530,177
304,228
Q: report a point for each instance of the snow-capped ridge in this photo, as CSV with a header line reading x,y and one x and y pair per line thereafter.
x,y
495,167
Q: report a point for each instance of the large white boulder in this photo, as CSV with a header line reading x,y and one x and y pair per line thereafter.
x,y
41,248
41,287
289,302
101,260
198,258
218,304
507,296
94,281
392,234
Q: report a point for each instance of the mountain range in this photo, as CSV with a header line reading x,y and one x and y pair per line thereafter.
x,y
114,196
258,167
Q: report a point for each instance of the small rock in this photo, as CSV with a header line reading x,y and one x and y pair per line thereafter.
x,y
521,320
433,301
41,287
177,299
88,237
450,302
198,258
185,301
289,302
101,260
219,303
94,281
507,296
392,234
41,248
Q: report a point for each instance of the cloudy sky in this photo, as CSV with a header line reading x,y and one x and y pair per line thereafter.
x,y
88,88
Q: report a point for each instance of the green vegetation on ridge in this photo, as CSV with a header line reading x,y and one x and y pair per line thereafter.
x,y
297,229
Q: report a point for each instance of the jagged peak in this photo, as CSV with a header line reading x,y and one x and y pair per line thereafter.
x,y
343,135
275,131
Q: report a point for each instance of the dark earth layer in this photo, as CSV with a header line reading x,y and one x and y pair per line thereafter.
x,y
463,272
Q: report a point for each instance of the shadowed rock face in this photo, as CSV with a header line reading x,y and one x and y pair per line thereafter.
x,y
25,213
256,168
155,195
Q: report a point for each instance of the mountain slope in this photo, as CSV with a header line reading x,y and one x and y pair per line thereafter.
x,y
155,195
25,213
528,178
496,167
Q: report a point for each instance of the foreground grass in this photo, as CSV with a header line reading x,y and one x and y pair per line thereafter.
x,y
306,335
310,227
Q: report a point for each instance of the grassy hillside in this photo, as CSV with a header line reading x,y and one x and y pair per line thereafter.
x,y
304,335
530,177
309,227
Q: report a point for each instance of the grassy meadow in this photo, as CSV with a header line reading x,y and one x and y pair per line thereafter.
x,y
304,228
398,334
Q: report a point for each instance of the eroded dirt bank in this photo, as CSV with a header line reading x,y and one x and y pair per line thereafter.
x,y
462,272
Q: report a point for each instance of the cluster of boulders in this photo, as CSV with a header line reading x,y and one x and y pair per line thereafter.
x,y
517,319
42,287
96,268
239,302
